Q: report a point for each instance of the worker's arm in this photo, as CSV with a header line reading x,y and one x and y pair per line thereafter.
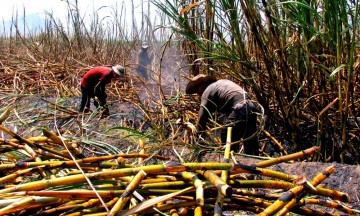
x,y
207,107
99,92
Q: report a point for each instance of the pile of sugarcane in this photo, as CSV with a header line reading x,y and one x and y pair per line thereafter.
x,y
57,179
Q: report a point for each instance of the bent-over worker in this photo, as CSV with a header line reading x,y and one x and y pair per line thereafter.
x,y
93,86
228,98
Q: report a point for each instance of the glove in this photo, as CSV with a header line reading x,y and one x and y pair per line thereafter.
x,y
201,136
190,127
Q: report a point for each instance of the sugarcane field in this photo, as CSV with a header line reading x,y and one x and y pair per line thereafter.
x,y
175,108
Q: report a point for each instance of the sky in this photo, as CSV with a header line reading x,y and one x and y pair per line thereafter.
x,y
35,9
9,7
58,7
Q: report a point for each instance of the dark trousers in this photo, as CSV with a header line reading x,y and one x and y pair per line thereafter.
x,y
243,119
142,72
87,94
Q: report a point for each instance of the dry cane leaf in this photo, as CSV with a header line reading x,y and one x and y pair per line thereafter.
x,y
149,203
5,115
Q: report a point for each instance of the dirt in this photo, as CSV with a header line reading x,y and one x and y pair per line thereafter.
x,y
346,178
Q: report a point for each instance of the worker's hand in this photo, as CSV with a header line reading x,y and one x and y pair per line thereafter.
x,y
97,99
200,137
190,127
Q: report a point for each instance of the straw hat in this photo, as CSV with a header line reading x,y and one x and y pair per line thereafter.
x,y
200,79
118,69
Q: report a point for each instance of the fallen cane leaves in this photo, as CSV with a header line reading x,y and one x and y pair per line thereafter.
x,y
39,187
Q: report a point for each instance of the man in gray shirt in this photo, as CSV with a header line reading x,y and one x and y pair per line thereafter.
x,y
228,98
143,61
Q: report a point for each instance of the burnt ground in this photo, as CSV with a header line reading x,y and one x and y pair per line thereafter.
x,y
32,114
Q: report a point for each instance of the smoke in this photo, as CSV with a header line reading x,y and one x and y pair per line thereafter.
x,y
166,72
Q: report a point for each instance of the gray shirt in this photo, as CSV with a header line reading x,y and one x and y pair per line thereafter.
x,y
221,96
144,58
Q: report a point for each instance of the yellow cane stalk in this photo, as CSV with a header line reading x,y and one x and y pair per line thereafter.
x,y
5,115
74,151
119,205
326,203
152,169
175,184
297,155
148,203
26,201
242,168
220,184
142,150
224,173
261,184
55,164
197,183
160,179
14,135
87,204
289,199
64,207
281,202
198,211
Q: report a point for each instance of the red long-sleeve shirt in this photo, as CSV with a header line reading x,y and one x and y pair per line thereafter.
x,y
96,74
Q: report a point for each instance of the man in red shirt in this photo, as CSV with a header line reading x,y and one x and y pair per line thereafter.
x,y
93,86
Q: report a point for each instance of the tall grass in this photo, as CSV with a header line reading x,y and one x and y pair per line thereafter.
x,y
297,57
83,40
57,54
86,36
